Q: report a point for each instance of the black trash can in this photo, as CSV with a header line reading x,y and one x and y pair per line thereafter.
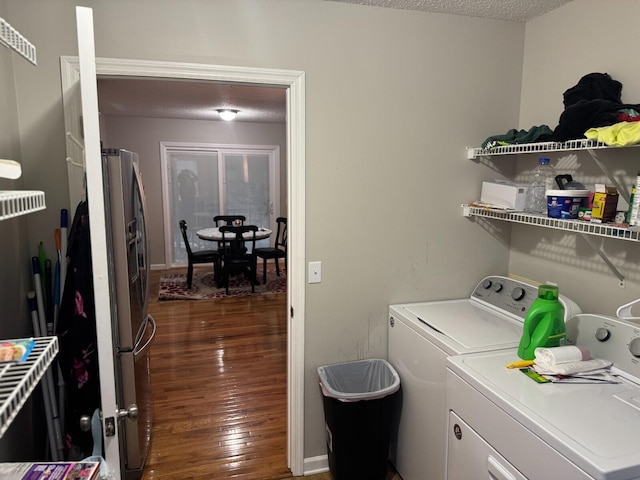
x,y
358,402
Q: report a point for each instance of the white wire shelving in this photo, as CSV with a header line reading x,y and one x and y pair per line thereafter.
x,y
12,39
541,147
586,229
14,203
579,226
18,380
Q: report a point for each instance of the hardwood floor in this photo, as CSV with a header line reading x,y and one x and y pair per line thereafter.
x,y
218,375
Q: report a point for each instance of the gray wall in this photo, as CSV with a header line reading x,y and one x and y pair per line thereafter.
x,y
393,97
143,135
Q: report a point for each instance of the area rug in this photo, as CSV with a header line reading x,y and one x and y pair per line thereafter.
x,y
174,286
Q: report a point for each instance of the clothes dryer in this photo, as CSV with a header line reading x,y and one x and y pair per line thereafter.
x,y
422,336
504,425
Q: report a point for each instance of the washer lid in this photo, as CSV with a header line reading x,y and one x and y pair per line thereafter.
x,y
594,425
470,325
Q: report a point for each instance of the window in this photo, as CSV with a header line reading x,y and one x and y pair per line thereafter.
x,y
201,181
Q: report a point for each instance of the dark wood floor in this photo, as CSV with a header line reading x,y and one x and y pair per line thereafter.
x,y
219,385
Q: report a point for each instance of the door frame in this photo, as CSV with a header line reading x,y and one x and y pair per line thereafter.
x,y
294,81
166,148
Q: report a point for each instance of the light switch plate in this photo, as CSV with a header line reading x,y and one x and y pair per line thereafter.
x,y
315,272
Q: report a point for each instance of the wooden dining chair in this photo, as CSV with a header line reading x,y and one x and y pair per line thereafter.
x,y
199,256
279,249
237,258
222,220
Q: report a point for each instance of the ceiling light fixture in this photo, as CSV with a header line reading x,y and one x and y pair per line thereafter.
x,y
227,113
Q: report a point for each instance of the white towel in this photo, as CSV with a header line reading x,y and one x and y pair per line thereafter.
x,y
557,355
571,368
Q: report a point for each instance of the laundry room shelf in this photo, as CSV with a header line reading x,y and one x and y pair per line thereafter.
x,y
18,380
12,39
579,226
586,229
541,147
15,203
589,146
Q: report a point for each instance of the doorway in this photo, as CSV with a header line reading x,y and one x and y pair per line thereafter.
x,y
294,82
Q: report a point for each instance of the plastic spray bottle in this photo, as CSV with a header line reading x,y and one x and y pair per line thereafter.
x,y
543,324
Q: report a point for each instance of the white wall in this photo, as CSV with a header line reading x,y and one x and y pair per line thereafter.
x,y
582,37
393,97
144,135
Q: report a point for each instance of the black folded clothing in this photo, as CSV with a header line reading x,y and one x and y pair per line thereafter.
x,y
594,86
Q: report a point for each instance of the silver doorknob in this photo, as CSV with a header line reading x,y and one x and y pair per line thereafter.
x,y
85,423
131,412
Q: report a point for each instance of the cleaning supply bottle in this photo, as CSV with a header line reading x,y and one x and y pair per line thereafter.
x,y
634,205
543,179
543,324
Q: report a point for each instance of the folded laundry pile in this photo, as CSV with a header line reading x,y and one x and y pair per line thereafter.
x,y
568,360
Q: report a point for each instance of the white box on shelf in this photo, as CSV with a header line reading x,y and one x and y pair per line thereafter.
x,y
504,194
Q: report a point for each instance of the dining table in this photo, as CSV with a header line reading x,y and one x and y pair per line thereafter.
x,y
215,235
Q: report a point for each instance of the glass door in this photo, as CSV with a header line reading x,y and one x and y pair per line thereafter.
x,y
247,187
203,181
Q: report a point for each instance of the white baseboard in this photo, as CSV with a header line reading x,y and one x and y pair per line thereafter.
x,y
315,465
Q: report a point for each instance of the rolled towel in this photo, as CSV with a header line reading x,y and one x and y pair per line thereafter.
x,y
557,355
571,368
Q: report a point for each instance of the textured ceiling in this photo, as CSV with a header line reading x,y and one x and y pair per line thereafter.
x,y
163,98
515,10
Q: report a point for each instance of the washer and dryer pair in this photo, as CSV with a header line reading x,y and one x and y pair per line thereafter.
x,y
422,336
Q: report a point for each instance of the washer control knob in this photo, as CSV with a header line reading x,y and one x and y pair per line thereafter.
x,y
497,287
517,293
486,284
634,347
602,334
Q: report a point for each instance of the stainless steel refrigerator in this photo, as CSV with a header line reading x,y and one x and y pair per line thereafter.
x,y
133,328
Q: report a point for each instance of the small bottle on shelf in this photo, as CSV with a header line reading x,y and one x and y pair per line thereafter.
x,y
543,180
633,215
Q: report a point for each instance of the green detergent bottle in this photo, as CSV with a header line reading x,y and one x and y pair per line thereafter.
x,y
543,324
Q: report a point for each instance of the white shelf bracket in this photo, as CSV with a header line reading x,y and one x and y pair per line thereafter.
x,y
605,259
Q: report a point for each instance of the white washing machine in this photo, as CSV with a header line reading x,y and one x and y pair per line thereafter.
x,y
422,336
503,425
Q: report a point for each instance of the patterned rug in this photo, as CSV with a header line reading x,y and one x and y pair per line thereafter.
x,y
174,286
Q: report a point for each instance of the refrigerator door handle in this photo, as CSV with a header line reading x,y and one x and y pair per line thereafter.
x,y
143,206
138,349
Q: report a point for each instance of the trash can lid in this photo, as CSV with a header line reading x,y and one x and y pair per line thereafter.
x,y
359,380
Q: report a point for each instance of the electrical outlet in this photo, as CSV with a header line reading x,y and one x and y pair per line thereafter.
x,y
315,272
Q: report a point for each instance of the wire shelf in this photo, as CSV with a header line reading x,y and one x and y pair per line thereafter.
x,y
541,147
578,226
12,39
15,203
18,380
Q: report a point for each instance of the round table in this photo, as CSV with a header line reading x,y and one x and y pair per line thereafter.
x,y
214,234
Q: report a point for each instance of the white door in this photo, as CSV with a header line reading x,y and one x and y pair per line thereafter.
x,y
92,158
